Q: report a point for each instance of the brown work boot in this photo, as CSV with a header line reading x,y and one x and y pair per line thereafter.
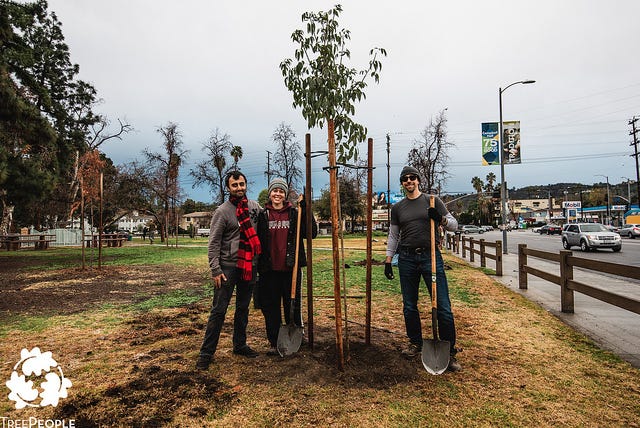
x,y
411,350
246,351
203,363
454,365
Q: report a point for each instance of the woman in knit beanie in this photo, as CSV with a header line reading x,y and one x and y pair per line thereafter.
x,y
277,224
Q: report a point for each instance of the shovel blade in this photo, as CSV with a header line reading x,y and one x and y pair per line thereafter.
x,y
289,339
435,356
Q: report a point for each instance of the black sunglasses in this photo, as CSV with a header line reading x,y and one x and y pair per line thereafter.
x,y
408,177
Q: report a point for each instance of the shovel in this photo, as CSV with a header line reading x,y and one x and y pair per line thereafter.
x,y
435,353
290,335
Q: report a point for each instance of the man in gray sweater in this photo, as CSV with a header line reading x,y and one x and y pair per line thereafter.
x,y
234,248
409,235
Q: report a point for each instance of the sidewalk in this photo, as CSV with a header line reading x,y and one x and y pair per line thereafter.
x,y
612,328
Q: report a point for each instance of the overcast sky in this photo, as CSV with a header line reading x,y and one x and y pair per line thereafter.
x,y
215,64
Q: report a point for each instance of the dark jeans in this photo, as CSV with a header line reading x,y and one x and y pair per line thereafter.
x,y
275,295
412,267
221,299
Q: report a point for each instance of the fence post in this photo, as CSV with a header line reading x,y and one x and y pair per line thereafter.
x,y
464,249
457,243
566,274
523,283
499,258
483,260
471,252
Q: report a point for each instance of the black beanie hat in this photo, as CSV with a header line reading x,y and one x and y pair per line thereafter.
x,y
408,170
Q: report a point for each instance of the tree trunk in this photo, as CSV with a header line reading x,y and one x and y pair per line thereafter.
x,y
7,218
74,188
333,190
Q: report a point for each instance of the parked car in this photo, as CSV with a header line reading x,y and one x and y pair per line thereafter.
x,y
630,230
487,228
612,228
550,229
471,228
590,236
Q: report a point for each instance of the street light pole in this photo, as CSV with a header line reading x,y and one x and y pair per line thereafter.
x,y
503,190
628,190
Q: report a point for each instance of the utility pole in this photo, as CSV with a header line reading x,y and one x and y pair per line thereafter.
x,y
388,183
268,171
634,133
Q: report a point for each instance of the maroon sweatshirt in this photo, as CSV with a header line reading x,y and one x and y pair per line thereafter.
x,y
278,232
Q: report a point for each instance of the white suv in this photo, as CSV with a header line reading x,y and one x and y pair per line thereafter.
x,y
590,236
630,230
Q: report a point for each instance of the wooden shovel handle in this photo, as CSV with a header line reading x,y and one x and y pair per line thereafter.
x,y
434,297
294,277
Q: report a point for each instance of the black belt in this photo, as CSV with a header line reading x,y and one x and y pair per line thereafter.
x,y
414,250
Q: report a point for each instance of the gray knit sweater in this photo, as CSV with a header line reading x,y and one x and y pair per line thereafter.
x,y
224,237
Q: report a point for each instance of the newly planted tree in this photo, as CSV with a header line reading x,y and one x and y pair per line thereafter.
x,y
326,90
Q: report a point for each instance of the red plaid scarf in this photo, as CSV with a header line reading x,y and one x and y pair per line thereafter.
x,y
249,242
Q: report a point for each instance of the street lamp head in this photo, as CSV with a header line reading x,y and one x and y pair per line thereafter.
x,y
525,82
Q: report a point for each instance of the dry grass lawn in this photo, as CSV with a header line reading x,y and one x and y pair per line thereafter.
x,y
131,367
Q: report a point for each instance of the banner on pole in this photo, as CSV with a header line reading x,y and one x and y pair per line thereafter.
x,y
490,144
511,142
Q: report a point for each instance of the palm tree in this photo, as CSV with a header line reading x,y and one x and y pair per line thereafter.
x,y
483,208
489,188
236,154
491,179
477,184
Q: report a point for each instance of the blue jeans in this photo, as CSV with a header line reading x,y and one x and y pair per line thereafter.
x,y
412,267
221,299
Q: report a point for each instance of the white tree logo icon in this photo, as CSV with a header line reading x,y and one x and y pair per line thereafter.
x,y
39,367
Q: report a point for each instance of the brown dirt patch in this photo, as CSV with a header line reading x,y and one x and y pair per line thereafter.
x,y
67,291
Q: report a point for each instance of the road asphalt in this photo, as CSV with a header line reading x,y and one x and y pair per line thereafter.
x,y
610,327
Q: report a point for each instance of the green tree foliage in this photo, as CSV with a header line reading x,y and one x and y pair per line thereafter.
x,y
351,203
263,197
45,111
323,86
191,206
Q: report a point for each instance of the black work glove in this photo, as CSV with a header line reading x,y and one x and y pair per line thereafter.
x,y
388,271
435,215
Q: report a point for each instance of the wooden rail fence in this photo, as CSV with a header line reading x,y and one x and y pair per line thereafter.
x,y
568,285
458,243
